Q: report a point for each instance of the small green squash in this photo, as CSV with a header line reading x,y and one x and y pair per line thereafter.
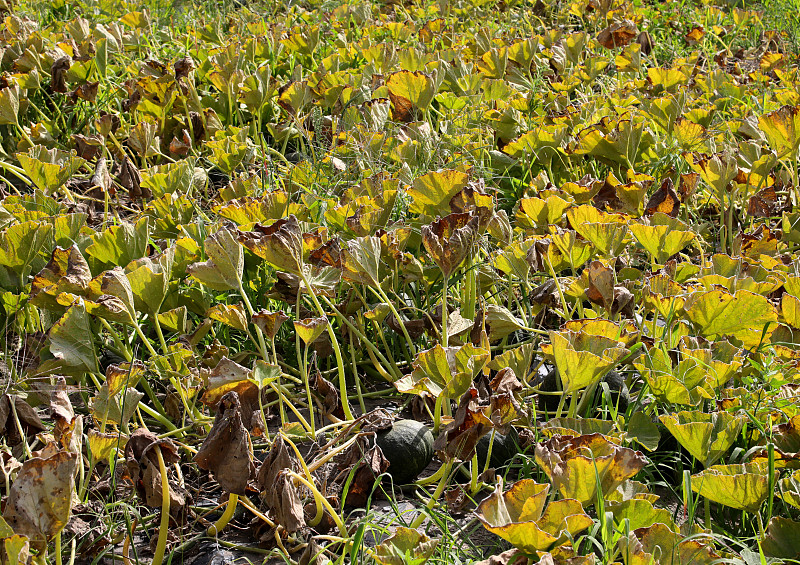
x,y
408,446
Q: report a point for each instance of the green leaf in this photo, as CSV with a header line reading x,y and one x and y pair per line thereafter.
x,y
575,463
662,238
742,315
444,370
71,343
9,104
782,129
265,373
116,409
20,245
581,358
519,359
310,329
707,436
119,245
743,487
640,513
643,431
404,547
608,233
519,516
174,320
225,265
49,169
430,194
149,280
717,171
361,261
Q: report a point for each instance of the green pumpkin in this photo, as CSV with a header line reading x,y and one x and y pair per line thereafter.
x,y
408,446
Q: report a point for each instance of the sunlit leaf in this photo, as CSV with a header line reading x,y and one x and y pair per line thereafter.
x,y
743,487
706,436
519,516
225,265
49,169
404,545
743,315
574,465
431,193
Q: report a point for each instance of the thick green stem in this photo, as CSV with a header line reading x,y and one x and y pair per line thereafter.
x,y
561,404
230,509
356,379
379,291
121,347
163,529
158,416
445,337
437,412
436,494
470,290
160,334
364,340
262,345
57,543
308,393
348,414
322,500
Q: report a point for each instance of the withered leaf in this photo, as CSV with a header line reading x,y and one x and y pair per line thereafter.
x,y
183,67
143,468
450,239
86,91
58,74
101,179
327,396
457,439
329,254
694,35
88,147
373,464
181,146
226,451
618,34
269,322
132,101
29,420
403,109
278,459
198,127
665,200
130,179
40,501
415,328
511,556
60,405
645,40
688,185
289,508
764,203
601,284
